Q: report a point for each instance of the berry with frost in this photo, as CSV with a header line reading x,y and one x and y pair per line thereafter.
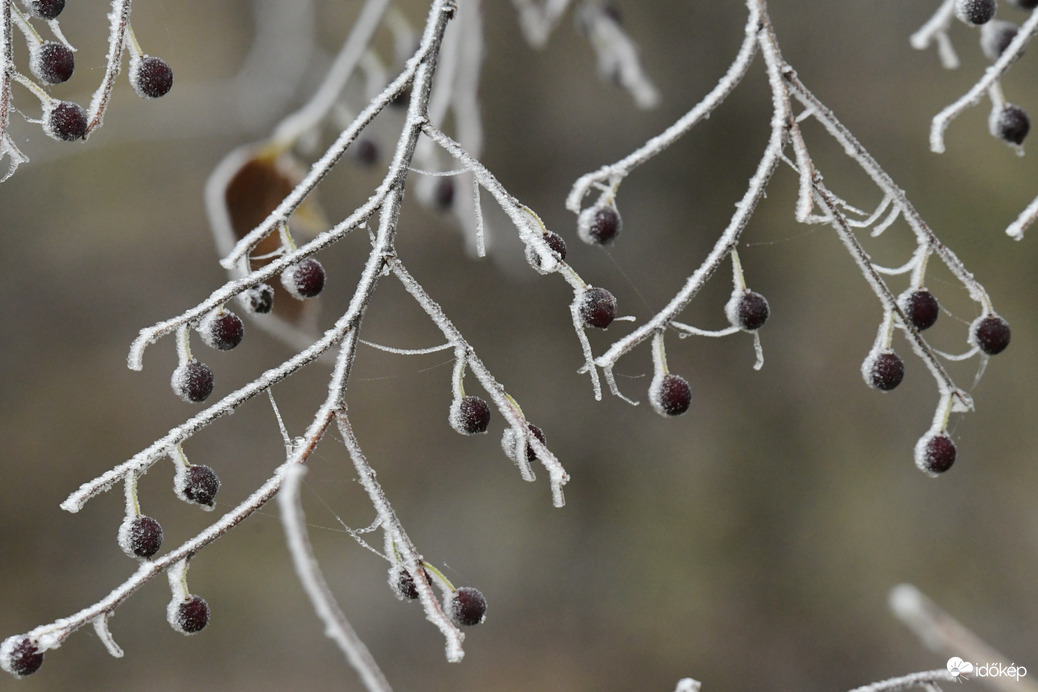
x,y
1011,124
403,583
554,241
597,308
599,225
305,279
919,307
221,329
140,537
64,120
52,62
935,454
188,616
466,606
151,77
531,454
975,12
748,310
670,395
193,382
46,9
470,415
995,37
20,656
883,370
990,334
198,484
258,299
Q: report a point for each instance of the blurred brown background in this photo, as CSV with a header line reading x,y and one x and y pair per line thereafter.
x,y
750,544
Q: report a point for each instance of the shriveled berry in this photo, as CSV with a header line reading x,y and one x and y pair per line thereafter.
x,y
995,37
305,279
670,395
935,454
920,308
599,225
65,121
140,537
258,299
748,311
990,333
1011,124
193,382
46,9
20,656
198,484
188,616
466,606
470,415
597,308
52,62
151,77
221,329
975,12
883,370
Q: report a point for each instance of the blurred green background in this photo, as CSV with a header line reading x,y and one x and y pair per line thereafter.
x,y
750,544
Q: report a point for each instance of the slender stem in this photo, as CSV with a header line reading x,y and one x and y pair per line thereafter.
x,y
337,627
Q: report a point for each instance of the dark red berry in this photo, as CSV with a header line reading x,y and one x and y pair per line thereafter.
x,y
46,9
670,395
470,415
403,583
443,193
935,454
52,62
199,484
597,308
365,151
259,299
304,280
140,537
188,616
1011,124
920,308
995,37
193,382
466,606
990,334
65,121
975,12
554,241
21,656
531,454
599,225
750,312
221,329
151,77
884,370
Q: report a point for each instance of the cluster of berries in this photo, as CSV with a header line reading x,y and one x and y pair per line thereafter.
x,y
1009,122
465,605
193,380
